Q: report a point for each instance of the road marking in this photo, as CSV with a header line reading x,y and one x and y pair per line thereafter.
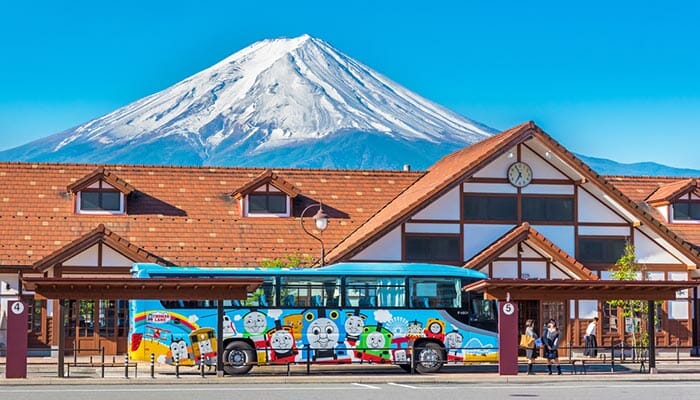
x,y
186,389
366,386
403,385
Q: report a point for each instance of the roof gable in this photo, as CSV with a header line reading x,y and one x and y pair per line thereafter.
x,y
668,192
101,174
267,176
462,164
526,233
98,235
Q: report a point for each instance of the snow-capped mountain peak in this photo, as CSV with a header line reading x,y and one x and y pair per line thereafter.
x,y
273,93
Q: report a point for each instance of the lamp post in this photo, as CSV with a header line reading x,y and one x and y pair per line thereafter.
x,y
321,220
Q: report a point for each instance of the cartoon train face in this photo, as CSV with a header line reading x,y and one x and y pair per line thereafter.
x,y
454,340
203,343
322,333
435,329
415,330
296,322
254,323
374,343
178,349
282,341
354,324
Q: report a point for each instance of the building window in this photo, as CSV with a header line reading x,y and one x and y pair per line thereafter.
x,y
432,248
548,209
600,250
100,201
686,211
267,203
490,208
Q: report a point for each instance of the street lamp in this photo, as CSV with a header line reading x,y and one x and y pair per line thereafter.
x,y
321,220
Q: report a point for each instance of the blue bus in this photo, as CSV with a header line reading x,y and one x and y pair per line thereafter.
x,y
342,313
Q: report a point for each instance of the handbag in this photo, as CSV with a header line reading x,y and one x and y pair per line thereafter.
x,y
538,342
527,342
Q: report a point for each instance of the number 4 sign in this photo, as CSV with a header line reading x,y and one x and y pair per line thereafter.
x,y
17,308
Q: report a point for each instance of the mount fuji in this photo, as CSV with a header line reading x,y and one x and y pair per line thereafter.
x,y
295,102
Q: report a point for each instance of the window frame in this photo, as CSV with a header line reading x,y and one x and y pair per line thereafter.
x,y
581,258
100,211
409,236
689,204
509,196
546,198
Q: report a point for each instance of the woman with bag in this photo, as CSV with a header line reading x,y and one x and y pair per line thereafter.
x,y
551,346
531,351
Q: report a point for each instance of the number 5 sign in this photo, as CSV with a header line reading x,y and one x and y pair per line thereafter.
x,y
508,308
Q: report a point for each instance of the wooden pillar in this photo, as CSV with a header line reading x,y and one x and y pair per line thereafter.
x,y
651,327
61,336
220,337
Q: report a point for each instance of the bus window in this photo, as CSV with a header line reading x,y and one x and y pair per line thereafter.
x,y
310,291
375,292
264,296
435,292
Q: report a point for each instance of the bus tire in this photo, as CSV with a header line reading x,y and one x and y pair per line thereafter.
x,y
238,358
429,358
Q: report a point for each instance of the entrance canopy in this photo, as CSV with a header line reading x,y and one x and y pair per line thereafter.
x,y
139,288
569,289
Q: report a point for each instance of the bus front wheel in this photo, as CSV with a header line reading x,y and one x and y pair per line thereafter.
x,y
429,358
238,358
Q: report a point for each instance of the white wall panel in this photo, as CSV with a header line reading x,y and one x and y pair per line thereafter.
x,y
561,235
432,228
558,272
471,187
86,258
604,231
478,236
111,258
678,309
663,210
528,252
498,167
444,208
388,248
505,269
534,270
541,169
693,196
591,209
649,252
548,189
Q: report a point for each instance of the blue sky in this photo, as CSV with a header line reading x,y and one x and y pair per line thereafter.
x,y
619,80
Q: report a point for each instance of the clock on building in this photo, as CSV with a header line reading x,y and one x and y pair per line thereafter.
x,y
519,174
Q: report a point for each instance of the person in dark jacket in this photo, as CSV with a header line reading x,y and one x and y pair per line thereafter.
x,y
531,353
551,346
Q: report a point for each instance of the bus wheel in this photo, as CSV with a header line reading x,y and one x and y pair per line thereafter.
x,y
238,358
429,358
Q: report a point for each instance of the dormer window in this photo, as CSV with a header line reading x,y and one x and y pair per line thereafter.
x,y
101,198
100,192
267,195
678,201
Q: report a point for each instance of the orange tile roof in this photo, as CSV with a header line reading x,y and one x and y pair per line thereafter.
x,y
525,232
668,192
439,179
643,188
184,214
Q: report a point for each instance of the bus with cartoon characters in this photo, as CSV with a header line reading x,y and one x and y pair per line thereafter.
x,y
341,313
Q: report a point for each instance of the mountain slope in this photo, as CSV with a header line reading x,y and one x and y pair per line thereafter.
x,y
604,166
270,97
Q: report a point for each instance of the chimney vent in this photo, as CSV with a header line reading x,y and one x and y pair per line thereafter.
x,y
407,167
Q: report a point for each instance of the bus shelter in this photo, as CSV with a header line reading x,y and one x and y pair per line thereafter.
x,y
507,290
219,289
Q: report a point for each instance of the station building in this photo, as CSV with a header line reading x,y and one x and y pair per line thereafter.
x,y
517,205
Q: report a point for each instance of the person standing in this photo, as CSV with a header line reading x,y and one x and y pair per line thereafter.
x,y
590,342
531,353
551,346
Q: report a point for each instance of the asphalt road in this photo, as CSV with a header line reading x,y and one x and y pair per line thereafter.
x,y
621,390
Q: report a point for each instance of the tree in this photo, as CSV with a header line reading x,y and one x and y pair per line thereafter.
x,y
627,269
288,261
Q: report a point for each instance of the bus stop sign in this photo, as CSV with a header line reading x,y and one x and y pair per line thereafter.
x,y
507,338
16,362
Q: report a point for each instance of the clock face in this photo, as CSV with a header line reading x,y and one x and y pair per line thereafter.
x,y
519,174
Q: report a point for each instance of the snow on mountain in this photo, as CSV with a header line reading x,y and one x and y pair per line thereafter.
x,y
283,102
